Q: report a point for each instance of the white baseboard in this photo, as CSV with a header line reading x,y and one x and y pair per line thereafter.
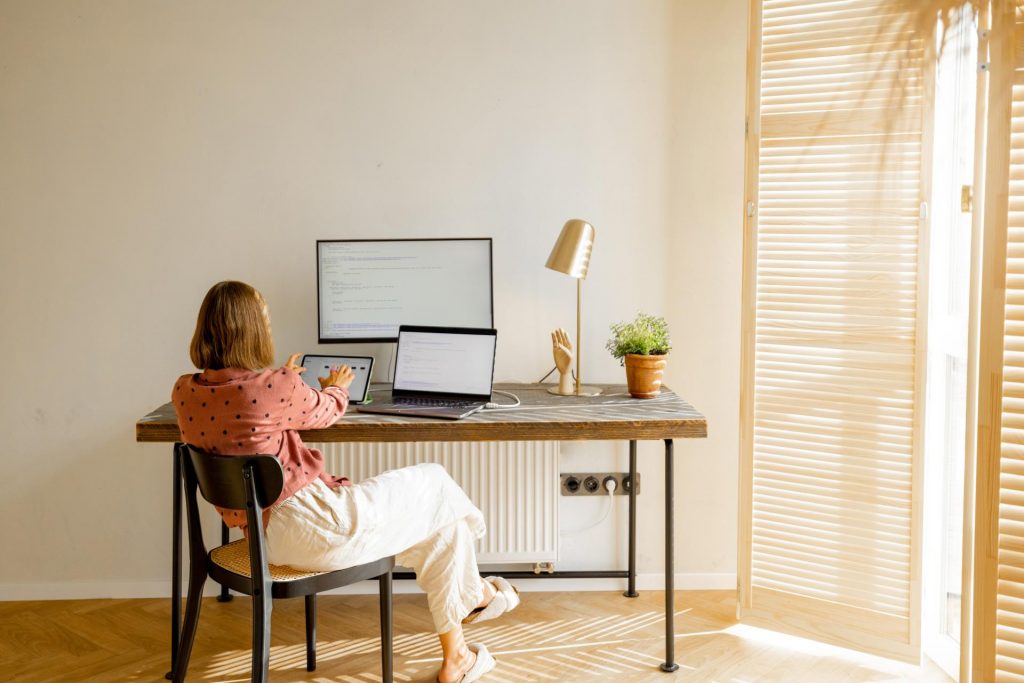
x,y
82,590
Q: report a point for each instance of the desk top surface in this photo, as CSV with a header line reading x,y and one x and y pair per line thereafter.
x,y
612,415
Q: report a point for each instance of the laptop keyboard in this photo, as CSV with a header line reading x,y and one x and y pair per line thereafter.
x,y
434,403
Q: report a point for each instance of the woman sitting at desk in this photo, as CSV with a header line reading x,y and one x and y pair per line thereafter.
x,y
239,405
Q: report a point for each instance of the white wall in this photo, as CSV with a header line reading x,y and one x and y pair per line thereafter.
x,y
151,149
704,270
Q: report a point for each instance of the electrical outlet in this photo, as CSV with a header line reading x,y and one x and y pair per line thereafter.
x,y
593,483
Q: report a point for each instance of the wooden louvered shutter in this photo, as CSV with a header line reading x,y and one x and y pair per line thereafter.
x,y
998,600
830,421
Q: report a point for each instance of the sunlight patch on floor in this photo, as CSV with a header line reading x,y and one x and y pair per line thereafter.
x,y
812,648
574,648
538,651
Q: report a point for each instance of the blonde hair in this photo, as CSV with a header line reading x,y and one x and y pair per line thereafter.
x,y
233,329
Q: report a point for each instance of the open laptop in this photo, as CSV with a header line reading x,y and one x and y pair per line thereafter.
x,y
444,372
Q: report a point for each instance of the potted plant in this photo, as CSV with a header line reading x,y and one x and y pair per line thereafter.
x,y
642,345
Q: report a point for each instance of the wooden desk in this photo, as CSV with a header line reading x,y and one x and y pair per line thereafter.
x,y
613,415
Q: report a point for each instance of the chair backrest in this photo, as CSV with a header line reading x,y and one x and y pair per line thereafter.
x,y
222,482
246,482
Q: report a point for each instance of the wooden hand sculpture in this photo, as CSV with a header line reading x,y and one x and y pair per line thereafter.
x,y
561,348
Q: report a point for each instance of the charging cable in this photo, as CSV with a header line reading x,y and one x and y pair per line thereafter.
x,y
551,371
504,406
609,486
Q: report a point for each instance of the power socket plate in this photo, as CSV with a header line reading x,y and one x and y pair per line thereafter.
x,y
576,483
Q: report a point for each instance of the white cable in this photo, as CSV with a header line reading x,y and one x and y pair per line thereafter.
x,y
391,364
503,406
609,486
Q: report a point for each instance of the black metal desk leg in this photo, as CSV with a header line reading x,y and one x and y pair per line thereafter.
x,y
175,559
670,635
225,594
631,581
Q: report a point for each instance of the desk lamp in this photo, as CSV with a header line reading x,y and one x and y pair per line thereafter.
x,y
571,255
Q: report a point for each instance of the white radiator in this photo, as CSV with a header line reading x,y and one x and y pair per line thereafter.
x,y
514,483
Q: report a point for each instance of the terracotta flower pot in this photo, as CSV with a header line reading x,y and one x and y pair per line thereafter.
x,y
643,374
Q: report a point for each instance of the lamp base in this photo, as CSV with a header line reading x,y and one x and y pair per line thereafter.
x,y
585,390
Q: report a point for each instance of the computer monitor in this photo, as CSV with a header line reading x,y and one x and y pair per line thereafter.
x,y
367,288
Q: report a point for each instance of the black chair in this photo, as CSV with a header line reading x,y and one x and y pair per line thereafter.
x,y
251,483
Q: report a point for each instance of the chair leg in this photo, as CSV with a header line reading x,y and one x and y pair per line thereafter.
x,y
311,632
262,606
196,581
386,644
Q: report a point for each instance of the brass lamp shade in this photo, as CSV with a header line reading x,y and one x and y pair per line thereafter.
x,y
571,253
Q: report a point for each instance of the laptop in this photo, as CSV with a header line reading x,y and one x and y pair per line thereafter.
x,y
444,372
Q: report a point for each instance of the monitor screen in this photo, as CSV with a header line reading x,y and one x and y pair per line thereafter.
x,y
445,361
367,288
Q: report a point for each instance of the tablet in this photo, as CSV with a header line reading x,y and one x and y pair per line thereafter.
x,y
320,366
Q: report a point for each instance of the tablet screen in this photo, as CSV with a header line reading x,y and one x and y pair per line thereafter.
x,y
320,366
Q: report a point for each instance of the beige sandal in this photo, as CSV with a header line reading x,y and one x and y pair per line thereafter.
x,y
506,599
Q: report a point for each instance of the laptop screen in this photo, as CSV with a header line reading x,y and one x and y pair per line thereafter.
x,y
445,361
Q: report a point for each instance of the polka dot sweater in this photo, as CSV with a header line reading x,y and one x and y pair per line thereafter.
x,y
242,412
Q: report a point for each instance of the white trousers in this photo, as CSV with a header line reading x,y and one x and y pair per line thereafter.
x,y
418,514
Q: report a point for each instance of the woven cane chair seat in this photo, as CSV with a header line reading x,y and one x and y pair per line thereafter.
x,y
235,558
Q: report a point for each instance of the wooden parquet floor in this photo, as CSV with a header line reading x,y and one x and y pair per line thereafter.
x,y
552,637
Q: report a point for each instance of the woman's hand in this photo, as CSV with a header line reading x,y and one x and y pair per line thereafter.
x,y
340,377
293,363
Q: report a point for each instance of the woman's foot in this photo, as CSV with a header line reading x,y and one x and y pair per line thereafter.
x,y
469,665
499,597
489,592
454,668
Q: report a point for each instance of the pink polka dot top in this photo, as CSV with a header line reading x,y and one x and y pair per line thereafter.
x,y
245,412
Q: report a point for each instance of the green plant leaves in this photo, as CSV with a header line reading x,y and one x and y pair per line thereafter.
x,y
647,335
